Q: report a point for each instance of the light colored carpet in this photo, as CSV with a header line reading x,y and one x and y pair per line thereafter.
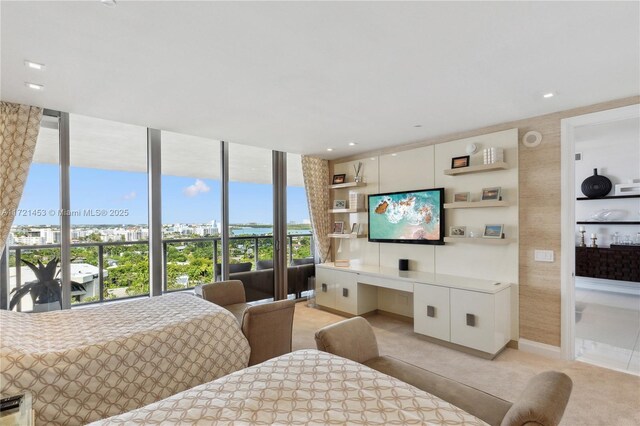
x,y
599,397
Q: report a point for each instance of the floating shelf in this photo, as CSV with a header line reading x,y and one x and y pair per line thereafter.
x,y
346,210
490,241
475,204
609,223
477,169
609,197
347,185
347,236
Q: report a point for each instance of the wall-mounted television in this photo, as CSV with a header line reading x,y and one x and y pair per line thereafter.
x,y
412,217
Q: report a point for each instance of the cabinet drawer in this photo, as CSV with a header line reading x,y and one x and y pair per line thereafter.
x,y
431,311
325,288
473,320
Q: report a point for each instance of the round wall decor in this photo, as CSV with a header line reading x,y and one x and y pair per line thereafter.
x,y
532,139
596,186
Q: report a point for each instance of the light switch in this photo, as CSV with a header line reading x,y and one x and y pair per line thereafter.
x,y
543,255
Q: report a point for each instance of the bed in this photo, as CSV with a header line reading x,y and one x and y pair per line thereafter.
x,y
303,387
86,364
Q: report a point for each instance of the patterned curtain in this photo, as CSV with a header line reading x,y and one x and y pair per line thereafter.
x,y
316,175
19,128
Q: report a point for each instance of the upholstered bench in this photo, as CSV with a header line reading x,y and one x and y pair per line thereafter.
x,y
542,402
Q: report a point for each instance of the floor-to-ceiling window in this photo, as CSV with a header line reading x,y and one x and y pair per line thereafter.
x,y
35,234
109,213
251,219
191,210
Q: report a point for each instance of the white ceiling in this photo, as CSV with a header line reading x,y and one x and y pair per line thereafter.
x,y
302,77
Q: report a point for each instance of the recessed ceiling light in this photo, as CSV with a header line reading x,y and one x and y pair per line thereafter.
x,y
394,154
34,86
548,95
418,125
34,65
109,3
352,144
329,149
373,158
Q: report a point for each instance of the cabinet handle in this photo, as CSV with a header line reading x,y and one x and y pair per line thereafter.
x,y
345,292
431,311
324,288
471,320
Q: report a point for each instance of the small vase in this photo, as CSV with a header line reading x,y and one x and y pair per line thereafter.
x,y
358,179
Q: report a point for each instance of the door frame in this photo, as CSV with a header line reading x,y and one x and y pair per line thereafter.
x,y
567,226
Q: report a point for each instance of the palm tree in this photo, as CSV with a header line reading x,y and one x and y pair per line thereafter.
x,y
47,287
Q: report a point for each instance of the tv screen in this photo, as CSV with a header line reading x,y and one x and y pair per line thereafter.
x,y
414,217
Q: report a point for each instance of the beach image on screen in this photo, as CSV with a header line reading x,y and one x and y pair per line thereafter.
x,y
405,216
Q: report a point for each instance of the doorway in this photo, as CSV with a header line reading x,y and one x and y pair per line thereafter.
x,y
601,240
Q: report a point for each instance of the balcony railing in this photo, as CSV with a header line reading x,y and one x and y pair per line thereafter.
x,y
245,248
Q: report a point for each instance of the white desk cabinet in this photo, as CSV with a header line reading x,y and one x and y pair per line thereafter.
x,y
431,315
339,290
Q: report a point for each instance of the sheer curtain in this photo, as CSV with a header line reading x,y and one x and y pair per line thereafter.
x,y
19,128
315,172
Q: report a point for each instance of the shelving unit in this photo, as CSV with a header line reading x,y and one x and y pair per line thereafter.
x,y
347,185
608,223
335,211
476,169
609,197
476,204
488,241
347,236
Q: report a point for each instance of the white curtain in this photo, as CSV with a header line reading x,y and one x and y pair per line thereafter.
x,y
315,172
19,128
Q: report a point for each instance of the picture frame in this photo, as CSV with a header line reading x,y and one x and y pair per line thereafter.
x,y
457,231
460,162
461,197
493,231
491,194
341,178
339,204
338,227
355,228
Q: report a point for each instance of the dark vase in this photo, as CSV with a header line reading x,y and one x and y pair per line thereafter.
x,y
596,186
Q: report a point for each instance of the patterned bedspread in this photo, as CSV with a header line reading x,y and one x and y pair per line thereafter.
x,y
83,365
304,387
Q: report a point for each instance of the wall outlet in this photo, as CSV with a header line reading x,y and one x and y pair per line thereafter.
x,y
543,255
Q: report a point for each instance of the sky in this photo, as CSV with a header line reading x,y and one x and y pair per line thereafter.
x,y
124,197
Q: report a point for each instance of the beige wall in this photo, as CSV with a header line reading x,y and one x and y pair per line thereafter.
x,y
539,216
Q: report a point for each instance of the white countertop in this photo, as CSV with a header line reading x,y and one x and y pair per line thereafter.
x,y
419,277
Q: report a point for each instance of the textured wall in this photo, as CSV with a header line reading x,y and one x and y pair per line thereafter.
x,y
539,216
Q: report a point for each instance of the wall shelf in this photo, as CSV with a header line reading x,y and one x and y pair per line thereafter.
x,y
476,204
489,241
609,197
477,169
346,210
609,223
347,185
347,236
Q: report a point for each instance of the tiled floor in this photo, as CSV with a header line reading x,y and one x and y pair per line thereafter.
x,y
608,329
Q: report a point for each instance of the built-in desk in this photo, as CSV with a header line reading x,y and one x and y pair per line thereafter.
x,y
469,312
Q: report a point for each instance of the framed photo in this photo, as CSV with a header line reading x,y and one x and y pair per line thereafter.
x,y
338,227
339,178
461,197
458,231
493,231
355,228
339,204
491,194
459,162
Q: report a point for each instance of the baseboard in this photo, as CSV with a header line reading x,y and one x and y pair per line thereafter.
x,y
599,284
538,348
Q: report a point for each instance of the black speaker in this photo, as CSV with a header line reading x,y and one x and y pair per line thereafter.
x,y
403,264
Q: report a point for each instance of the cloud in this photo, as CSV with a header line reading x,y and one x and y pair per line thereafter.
x,y
130,196
198,187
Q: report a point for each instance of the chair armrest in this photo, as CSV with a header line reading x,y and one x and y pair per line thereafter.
x,y
542,402
352,339
269,328
222,293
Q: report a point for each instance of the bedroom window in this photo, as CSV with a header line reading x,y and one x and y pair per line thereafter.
x,y
191,210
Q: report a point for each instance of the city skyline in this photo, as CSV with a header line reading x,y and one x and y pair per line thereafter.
x,y
124,197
